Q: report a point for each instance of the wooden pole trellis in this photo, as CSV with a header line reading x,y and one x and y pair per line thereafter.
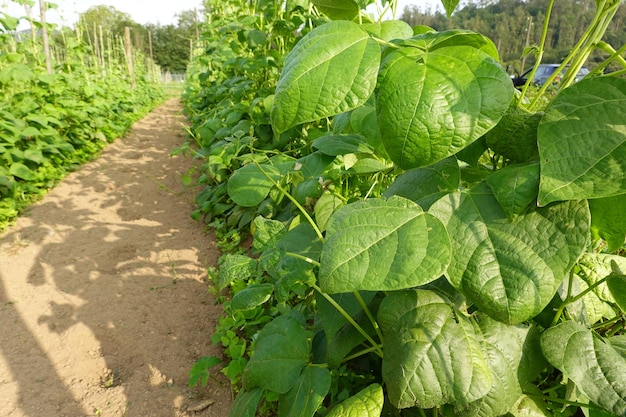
x,y
129,55
44,36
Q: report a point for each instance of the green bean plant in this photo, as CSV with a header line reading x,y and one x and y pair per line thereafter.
x,y
52,122
455,249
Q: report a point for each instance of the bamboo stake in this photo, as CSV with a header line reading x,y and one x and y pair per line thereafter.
x,y
44,35
129,56
150,45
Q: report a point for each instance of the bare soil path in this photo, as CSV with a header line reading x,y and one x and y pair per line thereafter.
x,y
104,305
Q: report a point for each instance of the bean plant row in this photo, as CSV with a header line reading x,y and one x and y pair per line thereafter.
x,y
51,122
425,239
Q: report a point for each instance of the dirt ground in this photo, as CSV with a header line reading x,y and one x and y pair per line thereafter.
x,y
104,305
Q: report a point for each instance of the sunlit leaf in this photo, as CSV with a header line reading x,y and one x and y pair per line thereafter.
x,y
380,245
599,374
331,70
582,142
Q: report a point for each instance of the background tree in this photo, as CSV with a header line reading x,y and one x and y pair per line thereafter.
x,y
510,22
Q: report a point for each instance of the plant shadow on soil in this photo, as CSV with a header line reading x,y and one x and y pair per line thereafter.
x,y
103,297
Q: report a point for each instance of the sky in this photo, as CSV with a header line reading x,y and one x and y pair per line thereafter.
x,y
142,11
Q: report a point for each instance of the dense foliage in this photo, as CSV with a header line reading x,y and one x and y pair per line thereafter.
x,y
51,122
514,25
426,240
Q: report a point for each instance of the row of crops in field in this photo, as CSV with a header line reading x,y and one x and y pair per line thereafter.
x,y
425,239
58,110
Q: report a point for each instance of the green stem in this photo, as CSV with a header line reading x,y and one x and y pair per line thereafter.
x,y
303,258
318,232
569,299
544,36
368,313
362,352
561,401
615,56
350,320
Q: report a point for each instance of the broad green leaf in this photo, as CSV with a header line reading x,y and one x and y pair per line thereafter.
x,y
233,268
246,403
307,394
450,6
515,137
338,9
510,269
366,403
425,115
266,233
301,240
9,23
528,406
388,30
506,351
370,166
608,220
382,245
30,131
431,40
597,266
281,351
582,142
433,354
250,185
342,144
597,369
617,286
20,170
515,187
590,308
426,185
252,296
313,165
619,343
332,69
326,205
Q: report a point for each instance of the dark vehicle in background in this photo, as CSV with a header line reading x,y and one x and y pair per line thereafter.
x,y
544,71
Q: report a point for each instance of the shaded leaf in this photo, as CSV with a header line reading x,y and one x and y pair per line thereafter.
x,y
307,394
608,220
515,136
250,185
426,185
617,286
507,268
280,353
246,403
342,144
20,170
252,296
515,187
432,354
